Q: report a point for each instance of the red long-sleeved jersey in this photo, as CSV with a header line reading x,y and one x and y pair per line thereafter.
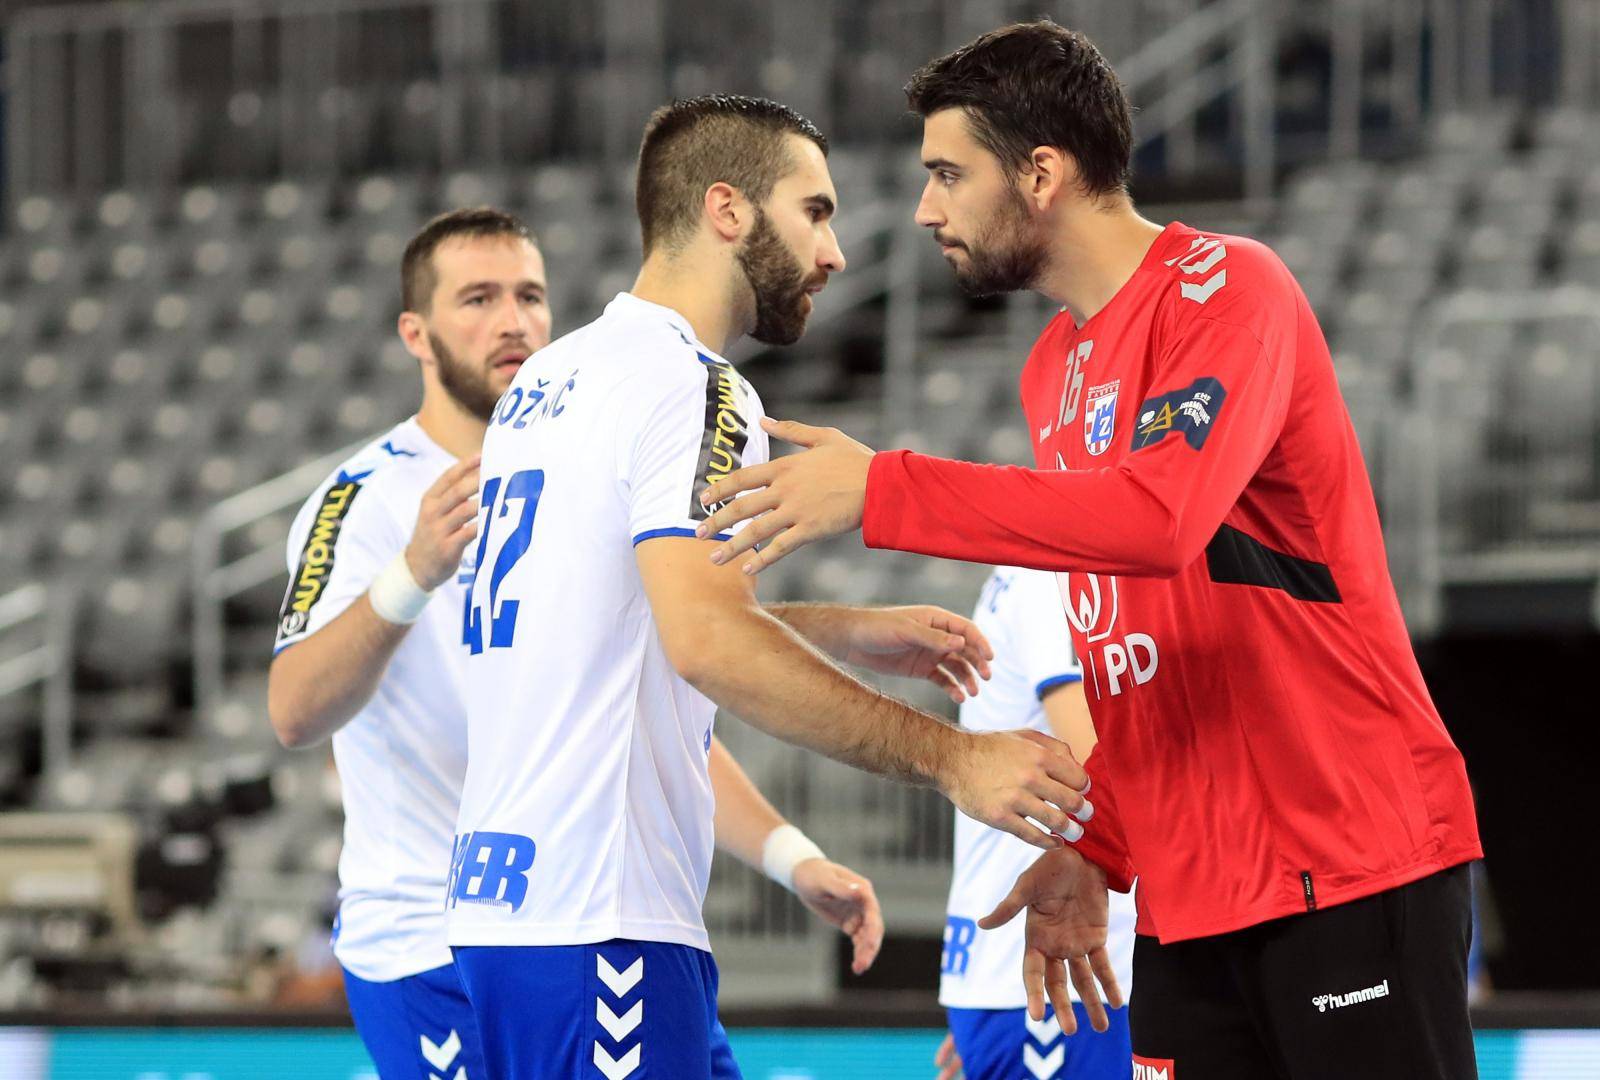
x,y
1267,744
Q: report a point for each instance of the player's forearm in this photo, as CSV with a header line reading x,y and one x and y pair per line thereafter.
x,y
1101,521
315,686
827,626
756,667
744,818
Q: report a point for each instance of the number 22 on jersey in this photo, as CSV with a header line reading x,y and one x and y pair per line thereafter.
x,y
499,493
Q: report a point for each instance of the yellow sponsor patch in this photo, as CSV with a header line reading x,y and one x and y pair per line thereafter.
x,y
316,558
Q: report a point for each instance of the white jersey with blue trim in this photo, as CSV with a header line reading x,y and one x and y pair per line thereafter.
x,y
1021,614
586,813
402,758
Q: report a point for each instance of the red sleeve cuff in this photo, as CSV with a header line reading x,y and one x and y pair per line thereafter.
x,y
881,518
1114,861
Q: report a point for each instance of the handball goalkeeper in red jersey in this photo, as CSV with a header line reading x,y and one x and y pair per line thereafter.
x,y
1271,765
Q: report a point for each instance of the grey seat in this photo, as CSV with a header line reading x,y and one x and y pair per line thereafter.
x,y
293,206
133,630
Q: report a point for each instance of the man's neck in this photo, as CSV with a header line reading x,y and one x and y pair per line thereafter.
x,y
443,420
1096,252
698,293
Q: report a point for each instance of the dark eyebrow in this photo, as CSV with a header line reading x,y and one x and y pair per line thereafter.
x,y
940,163
822,203
475,286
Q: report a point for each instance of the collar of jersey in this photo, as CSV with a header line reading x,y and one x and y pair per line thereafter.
x,y
630,302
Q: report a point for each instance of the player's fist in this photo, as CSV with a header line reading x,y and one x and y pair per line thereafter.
x,y
446,523
1003,778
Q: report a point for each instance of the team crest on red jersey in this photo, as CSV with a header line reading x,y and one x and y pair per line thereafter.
x,y
1100,416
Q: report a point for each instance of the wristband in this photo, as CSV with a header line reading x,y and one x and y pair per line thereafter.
x,y
395,594
785,848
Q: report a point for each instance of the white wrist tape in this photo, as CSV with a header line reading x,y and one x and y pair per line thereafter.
x,y
785,848
395,594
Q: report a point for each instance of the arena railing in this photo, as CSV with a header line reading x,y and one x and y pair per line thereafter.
x,y
117,94
46,664
216,581
1500,537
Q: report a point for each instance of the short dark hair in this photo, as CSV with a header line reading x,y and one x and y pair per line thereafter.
x,y
418,277
1035,84
717,138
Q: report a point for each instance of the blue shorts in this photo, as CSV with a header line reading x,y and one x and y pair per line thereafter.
x,y
619,1010
1003,1044
418,1027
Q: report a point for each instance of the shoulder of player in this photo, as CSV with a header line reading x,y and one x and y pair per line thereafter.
x,y
392,466
1224,278
676,368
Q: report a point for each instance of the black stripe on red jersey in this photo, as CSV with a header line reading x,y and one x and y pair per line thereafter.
x,y
1237,559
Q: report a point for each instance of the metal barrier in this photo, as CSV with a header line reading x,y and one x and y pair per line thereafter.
x,y
1532,513
215,582
47,664
133,94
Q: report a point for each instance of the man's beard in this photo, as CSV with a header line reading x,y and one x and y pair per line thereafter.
x,y
778,282
1003,258
469,385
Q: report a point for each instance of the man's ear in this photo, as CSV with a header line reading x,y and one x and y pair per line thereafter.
x,y
1053,174
727,210
414,334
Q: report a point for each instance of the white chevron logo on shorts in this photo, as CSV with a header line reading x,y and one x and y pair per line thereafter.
x,y
461,1074
1046,1066
618,1027
615,1068
1046,1031
619,984
440,1055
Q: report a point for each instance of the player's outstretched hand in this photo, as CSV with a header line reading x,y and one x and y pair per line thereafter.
x,y
1003,778
1068,914
805,497
920,642
446,523
948,1060
843,898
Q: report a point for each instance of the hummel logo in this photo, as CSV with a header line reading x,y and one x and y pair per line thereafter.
x,y
441,1054
619,983
1324,1002
615,1068
1046,1031
1043,1066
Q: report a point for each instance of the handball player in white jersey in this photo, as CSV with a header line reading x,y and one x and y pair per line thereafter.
x,y
584,839
370,651
1036,682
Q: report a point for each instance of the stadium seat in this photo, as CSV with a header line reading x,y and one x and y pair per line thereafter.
x,y
298,205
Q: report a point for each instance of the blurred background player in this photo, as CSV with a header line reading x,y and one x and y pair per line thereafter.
x,y
1035,682
583,845
378,665
1265,726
